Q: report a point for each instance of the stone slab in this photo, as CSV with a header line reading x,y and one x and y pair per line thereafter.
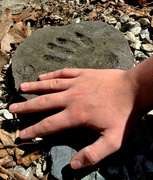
x,y
84,45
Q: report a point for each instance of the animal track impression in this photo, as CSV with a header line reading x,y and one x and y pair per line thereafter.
x,y
63,48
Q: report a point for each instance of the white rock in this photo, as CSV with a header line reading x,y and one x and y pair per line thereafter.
x,y
149,54
118,25
124,18
1,92
3,105
1,79
136,30
39,172
2,118
77,20
147,47
7,115
108,11
144,34
130,36
139,55
144,21
130,25
150,112
136,45
111,20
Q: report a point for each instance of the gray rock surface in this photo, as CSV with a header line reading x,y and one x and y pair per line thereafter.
x,y
83,45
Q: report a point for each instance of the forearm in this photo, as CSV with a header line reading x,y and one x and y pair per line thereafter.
x,y
141,77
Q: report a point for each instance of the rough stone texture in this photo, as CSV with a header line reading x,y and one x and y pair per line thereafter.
x,y
16,5
84,45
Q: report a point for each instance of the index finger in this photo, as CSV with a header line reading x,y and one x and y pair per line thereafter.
x,y
63,73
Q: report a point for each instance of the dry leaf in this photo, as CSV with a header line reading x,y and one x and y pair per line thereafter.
x,y
7,162
3,152
6,42
18,175
5,23
7,16
4,59
15,35
7,172
28,159
7,139
92,15
18,152
142,2
4,176
23,15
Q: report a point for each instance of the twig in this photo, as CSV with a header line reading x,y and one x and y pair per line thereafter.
x,y
16,145
5,171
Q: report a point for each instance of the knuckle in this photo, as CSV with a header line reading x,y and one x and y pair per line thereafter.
x,y
79,115
63,71
91,156
45,124
41,101
54,84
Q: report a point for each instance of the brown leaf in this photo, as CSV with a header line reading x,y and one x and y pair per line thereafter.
x,y
3,152
18,152
6,42
7,172
15,35
7,16
7,139
24,14
18,175
143,2
4,59
92,15
4,176
28,159
5,23
7,162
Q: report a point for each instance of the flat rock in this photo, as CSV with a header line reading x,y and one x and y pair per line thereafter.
x,y
84,45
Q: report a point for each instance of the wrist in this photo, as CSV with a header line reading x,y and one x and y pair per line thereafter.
x,y
141,79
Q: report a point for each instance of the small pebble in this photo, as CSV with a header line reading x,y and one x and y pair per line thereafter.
x,y
7,115
147,47
144,21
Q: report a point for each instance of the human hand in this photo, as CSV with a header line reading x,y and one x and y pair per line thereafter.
x,y
100,99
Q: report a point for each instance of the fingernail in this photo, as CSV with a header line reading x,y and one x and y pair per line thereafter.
x,y
42,75
76,164
13,107
24,85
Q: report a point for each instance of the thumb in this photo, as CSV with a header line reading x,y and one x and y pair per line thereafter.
x,y
95,152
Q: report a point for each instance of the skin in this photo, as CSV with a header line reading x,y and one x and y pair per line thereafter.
x,y
109,101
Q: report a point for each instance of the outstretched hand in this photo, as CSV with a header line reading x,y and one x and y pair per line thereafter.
x,y
100,99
